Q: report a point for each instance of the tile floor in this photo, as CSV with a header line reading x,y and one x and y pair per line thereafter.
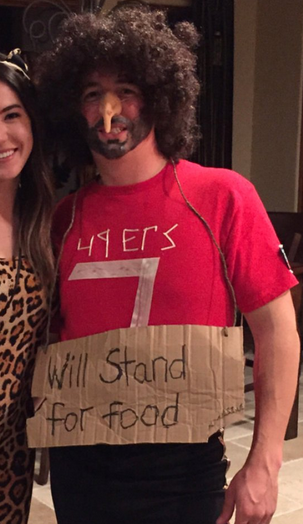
x,y
238,439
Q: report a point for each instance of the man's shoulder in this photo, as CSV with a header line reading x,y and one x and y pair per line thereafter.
x,y
65,205
213,178
64,210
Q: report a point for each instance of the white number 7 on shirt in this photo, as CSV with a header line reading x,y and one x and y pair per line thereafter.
x,y
144,268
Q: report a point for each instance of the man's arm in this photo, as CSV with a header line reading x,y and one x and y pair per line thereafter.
x,y
253,490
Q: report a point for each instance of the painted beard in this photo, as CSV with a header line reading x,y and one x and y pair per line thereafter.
x,y
137,130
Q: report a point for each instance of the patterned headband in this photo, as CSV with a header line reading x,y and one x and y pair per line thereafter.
x,y
15,61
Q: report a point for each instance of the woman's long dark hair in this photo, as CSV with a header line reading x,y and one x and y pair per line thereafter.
x,y
34,199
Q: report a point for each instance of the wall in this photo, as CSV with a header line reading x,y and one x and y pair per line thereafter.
x,y
109,4
267,116
244,79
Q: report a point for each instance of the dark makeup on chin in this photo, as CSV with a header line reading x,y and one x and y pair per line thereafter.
x,y
137,130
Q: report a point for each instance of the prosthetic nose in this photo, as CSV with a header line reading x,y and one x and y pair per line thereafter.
x,y
110,106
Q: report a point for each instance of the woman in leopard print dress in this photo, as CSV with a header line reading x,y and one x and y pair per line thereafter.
x,y
26,270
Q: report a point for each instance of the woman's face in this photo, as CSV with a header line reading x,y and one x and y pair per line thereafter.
x,y
16,138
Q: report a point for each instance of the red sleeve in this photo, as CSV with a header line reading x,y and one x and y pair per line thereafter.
x,y
257,268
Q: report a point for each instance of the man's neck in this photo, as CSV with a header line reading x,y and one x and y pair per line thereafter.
x,y
140,164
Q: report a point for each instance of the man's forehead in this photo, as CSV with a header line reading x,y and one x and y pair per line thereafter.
x,y
98,75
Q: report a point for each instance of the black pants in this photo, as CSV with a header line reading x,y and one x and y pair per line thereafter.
x,y
139,484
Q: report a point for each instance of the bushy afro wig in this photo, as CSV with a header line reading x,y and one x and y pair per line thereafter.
x,y
134,40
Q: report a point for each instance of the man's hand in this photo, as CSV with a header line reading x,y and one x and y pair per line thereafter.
x,y
253,493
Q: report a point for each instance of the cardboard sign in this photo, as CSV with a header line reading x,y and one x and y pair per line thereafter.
x,y
135,385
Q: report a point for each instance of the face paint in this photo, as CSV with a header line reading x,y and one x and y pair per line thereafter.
x,y
116,118
129,134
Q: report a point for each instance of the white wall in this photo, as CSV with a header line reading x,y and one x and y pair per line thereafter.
x,y
244,79
268,97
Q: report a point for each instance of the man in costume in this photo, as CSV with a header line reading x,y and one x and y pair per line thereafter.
x,y
121,94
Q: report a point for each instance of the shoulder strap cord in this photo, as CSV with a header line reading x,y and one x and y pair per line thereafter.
x,y
52,290
207,226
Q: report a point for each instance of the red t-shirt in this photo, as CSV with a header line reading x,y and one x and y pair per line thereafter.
x,y
138,255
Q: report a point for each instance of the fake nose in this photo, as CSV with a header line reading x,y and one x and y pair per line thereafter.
x,y
110,106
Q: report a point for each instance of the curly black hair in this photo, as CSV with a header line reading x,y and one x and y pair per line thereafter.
x,y
135,40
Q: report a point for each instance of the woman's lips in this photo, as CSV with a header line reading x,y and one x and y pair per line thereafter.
x,y
7,155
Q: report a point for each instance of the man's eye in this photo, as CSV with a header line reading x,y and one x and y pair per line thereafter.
x,y
129,91
91,95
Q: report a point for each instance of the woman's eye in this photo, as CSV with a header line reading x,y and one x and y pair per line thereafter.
x,y
12,116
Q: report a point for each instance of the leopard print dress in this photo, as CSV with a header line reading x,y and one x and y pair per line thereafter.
x,y
23,316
